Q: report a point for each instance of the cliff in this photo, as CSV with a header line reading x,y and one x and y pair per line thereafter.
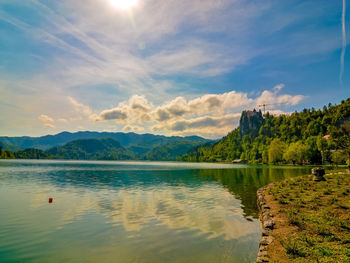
x,y
250,123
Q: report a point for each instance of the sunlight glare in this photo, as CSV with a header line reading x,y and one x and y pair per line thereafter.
x,y
123,4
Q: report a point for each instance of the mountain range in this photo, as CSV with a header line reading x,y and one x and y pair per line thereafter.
x,y
101,146
144,141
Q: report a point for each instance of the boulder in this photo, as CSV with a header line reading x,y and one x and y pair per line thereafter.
x,y
318,174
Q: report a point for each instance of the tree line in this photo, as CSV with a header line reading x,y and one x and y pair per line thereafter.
x,y
307,137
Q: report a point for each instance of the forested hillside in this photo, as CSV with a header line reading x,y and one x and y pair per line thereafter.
x,y
171,150
91,149
9,147
90,146
310,136
103,149
141,143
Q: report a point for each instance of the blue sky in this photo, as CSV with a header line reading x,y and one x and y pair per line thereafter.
x,y
166,67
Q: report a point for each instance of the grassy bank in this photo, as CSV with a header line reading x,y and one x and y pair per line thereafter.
x,y
312,219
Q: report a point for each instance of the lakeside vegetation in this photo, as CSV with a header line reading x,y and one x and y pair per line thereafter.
x,y
314,219
308,137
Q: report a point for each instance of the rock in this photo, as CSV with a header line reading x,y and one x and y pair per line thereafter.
x,y
266,217
269,224
266,211
262,254
250,123
318,178
266,240
318,174
261,199
265,232
262,259
318,171
263,248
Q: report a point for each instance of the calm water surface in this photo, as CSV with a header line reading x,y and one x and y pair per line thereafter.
x,y
132,212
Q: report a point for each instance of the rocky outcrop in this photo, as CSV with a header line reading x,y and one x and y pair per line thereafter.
x,y
268,225
250,123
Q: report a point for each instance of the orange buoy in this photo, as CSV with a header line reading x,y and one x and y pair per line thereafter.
x,y
50,200
95,178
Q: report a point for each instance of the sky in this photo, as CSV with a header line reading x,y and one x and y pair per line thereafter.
x,y
171,67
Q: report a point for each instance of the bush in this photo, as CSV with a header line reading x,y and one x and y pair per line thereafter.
x,y
338,157
295,248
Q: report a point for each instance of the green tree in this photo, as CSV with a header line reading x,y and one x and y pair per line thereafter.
x,y
276,150
322,146
6,154
307,127
313,155
338,157
243,156
265,156
340,137
295,153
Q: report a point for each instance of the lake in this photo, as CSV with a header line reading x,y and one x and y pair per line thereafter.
x,y
105,211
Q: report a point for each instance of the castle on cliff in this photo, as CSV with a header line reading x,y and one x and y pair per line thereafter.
x,y
250,122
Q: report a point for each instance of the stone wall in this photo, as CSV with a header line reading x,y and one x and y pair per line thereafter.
x,y
268,224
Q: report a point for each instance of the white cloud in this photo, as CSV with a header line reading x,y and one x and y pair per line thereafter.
x,y
211,114
173,109
273,97
45,118
278,112
49,125
219,102
208,125
206,104
80,108
130,128
136,109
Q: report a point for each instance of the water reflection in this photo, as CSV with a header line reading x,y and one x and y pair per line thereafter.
x,y
177,203
244,182
135,212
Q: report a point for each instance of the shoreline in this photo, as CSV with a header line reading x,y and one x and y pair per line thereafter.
x,y
278,227
267,223
273,224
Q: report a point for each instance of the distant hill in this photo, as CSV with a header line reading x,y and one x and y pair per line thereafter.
x,y
92,149
171,150
140,144
10,147
310,136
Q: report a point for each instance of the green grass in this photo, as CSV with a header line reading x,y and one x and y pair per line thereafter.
x,y
321,212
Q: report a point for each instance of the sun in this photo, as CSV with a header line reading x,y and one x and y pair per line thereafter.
x,y
123,4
